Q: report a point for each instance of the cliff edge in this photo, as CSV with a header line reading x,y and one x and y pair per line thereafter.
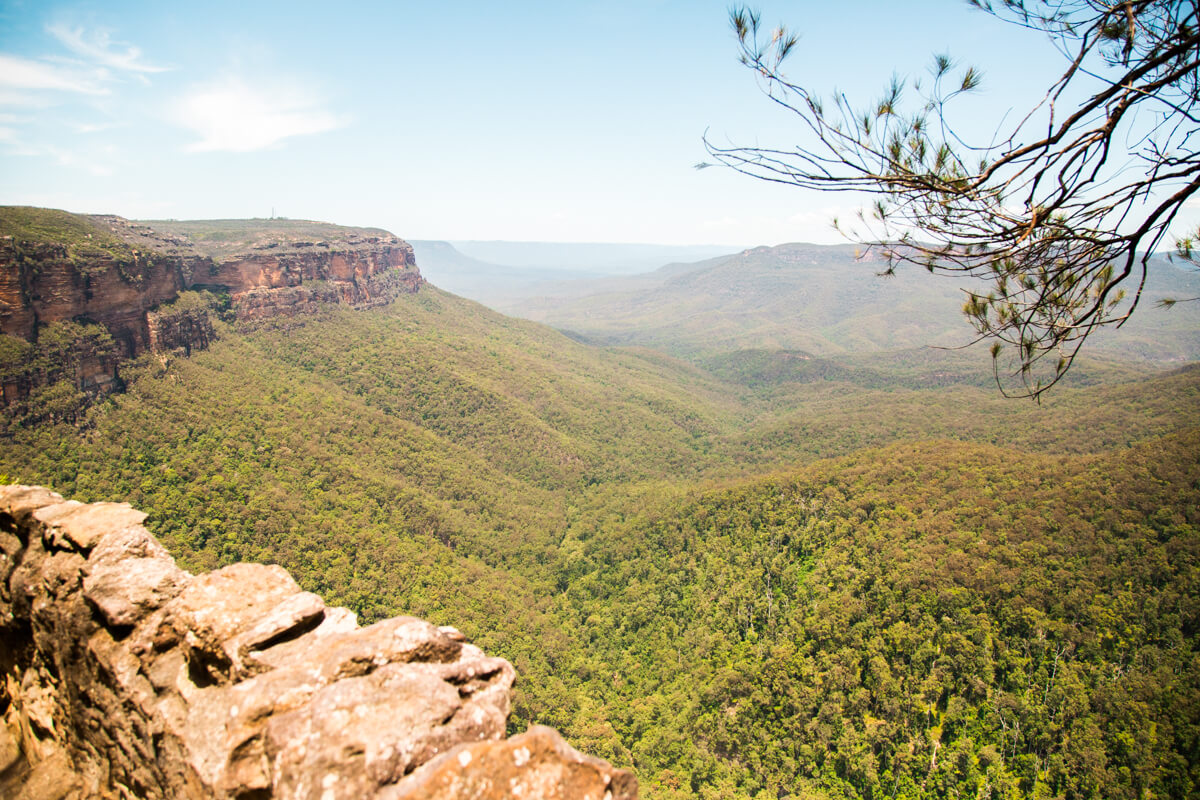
x,y
125,676
81,293
107,270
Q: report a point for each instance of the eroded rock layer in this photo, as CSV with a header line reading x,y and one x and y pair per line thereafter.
x,y
123,279
125,676
41,282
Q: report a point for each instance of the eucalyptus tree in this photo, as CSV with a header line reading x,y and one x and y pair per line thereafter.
x,y
1054,218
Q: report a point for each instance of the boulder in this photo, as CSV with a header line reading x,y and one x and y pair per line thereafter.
x,y
125,676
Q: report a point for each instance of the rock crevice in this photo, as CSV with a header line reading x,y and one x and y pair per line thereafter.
x,y
125,676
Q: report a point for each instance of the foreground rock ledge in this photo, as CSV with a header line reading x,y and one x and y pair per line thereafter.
x,y
126,677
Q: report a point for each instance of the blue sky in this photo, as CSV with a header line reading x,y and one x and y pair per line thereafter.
x,y
567,121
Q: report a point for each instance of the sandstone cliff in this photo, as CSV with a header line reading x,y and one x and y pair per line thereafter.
x,y
123,277
125,269
124,676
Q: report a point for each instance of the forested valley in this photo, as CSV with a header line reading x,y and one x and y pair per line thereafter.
x,y
756,575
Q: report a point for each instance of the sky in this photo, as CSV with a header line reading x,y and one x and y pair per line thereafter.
x,y
537,121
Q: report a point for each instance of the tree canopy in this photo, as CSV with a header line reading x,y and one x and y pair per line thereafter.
x,y
1054,219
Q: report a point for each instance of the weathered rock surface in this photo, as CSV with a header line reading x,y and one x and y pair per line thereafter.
x,y
174,331
537,763
124,676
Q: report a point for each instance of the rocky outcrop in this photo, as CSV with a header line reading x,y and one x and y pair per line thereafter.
x,y
297,283
124,676
171,330
127,285
43,282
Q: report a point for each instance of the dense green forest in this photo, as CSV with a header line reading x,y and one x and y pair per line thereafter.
x,y
761,574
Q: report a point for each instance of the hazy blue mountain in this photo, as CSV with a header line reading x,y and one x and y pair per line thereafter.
x,y
821,300
522,269
798,297
448,268
599,257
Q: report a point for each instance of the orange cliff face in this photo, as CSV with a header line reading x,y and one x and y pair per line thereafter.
x,y
41,283
266,269
263,286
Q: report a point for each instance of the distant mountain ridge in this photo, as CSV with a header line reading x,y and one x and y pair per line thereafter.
x,y
493,273
450,269
815,298
600,257
828,300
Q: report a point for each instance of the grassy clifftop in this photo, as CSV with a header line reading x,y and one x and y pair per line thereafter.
x,y
81,235
96,236
226,237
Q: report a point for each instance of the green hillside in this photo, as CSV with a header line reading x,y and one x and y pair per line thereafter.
x,y
972,594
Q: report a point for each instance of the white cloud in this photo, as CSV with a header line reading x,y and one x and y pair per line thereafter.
x,y
24,74
96,127
96,161
10,99
99,48
231,116
97,61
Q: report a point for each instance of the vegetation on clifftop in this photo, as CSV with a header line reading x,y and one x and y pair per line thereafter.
x,y
79,234
221,238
